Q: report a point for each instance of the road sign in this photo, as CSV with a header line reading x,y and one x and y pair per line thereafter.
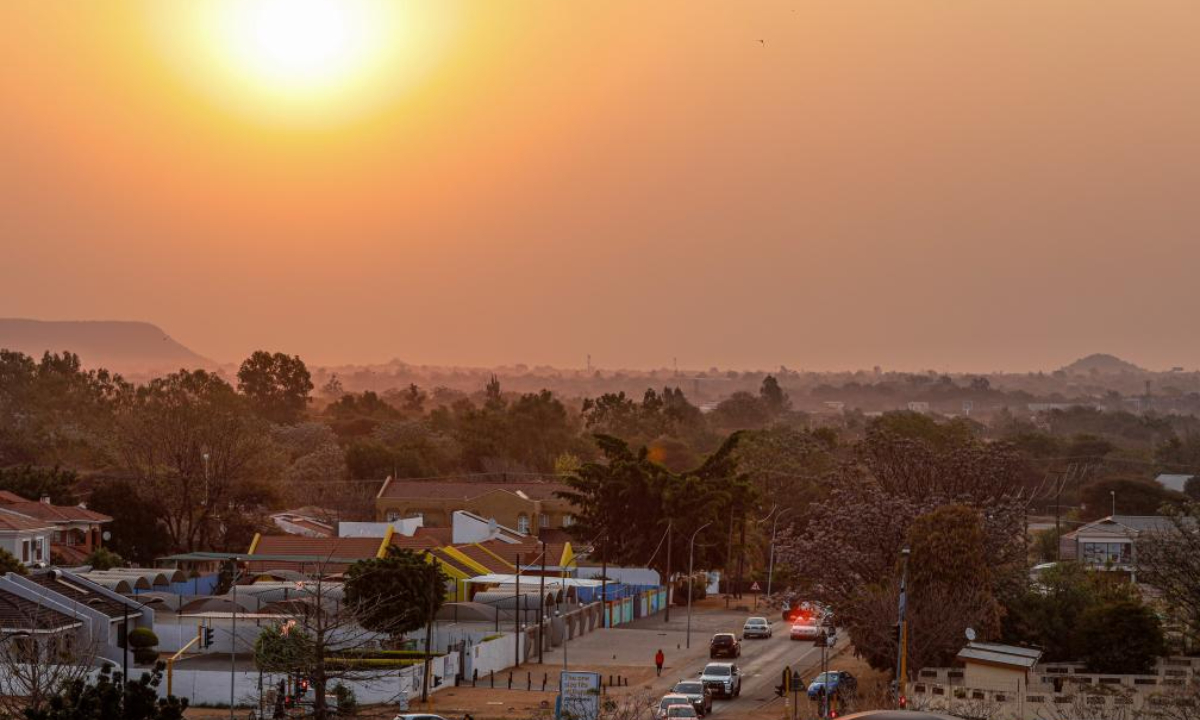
x,y
579,695
755,587
787,678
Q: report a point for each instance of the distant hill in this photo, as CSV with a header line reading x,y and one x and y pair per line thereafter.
x,y
131,348
1103,364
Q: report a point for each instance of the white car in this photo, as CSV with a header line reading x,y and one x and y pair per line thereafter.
x,y
756,627
669,701
418,716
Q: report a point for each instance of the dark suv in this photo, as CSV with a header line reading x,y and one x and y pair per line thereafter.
x,y
724,645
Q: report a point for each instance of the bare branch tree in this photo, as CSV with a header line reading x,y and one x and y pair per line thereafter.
x,y
40,652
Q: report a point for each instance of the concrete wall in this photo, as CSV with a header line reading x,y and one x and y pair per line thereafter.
x,y
211,687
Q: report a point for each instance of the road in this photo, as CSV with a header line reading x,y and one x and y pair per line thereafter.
x,y
762,664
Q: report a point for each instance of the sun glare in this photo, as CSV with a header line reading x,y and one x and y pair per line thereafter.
x,y
302,62
301,45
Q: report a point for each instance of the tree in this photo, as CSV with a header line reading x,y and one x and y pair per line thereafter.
x,y
773,397
1120,637
110,696
9,563
52,411
39,657
741,411
34,483
321,638
1048,613
103,559
277,385
1131,497
1191,488
629,489
397,593
192,445
137,533
1168,562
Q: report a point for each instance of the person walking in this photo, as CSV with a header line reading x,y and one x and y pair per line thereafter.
x,y
659,659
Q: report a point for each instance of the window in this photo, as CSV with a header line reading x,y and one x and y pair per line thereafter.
x,y
523,524
543,521
568,520
393,515
24,551
1116,553
38,548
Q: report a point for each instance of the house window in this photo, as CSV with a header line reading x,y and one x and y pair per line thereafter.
x,y
523,524
568,520
1107,553
24,551
393,515
38,548
543,521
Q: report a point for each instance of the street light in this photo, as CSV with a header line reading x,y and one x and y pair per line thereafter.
x,y
691,559
771,563
901,654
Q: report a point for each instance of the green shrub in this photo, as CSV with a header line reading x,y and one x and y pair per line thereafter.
x,y
145,656
346,701
142,638
104,559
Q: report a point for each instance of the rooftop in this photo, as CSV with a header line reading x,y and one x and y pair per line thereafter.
x,y
18,613
469,488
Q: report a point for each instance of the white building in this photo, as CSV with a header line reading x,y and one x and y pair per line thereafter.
x,y
26,539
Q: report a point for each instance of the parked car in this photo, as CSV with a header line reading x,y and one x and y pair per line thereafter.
x,y
834,681
668,701
418,716
722,679
756,627
724,645
805,631
700,696
682,711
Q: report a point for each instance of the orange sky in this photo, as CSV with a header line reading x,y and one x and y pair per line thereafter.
x,y
934,184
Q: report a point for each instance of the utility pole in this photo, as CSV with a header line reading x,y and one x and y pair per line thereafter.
x,y
517,608
741,556
233,573
902,650
542,607
691,560
428,642
771,562
668,578
603,591
728,560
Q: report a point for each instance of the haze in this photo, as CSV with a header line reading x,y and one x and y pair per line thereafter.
x,y
936,184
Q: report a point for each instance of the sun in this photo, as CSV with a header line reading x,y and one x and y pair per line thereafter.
x,y
301,46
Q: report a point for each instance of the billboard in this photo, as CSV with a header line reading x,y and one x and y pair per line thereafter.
x,y
579,696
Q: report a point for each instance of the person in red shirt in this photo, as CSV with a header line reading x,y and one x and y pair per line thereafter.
x,y
659,659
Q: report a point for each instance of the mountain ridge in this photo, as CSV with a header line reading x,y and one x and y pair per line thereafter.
x,y
124,346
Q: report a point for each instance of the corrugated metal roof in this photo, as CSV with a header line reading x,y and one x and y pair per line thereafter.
x,y
997,654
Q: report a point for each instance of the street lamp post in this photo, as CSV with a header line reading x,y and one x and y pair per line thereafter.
x,y
771,562
901,654
691,559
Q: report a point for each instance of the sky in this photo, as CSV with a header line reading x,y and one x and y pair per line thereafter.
x,y
940,184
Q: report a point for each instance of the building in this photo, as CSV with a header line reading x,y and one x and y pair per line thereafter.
x,y
1110,544
992,665
526,506
24,538
1173,482
75,530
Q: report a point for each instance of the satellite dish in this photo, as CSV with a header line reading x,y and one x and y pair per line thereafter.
x,y
106,535
970,634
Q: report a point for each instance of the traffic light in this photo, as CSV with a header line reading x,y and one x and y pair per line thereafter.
x,y
206,636
302,686
903,702
896,633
